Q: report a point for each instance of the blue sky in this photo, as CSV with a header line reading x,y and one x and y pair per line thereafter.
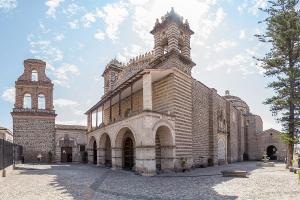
x,y
78,38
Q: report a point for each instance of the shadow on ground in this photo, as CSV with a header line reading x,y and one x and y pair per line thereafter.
x,y
91,182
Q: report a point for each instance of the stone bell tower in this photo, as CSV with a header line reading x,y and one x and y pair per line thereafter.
x,y
33,114
172,35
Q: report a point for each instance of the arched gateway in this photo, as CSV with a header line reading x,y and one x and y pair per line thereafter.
x,y
164,149
125,143
105,151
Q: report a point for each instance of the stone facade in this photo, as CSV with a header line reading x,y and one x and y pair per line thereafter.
x,y
73,137
155,117
33,114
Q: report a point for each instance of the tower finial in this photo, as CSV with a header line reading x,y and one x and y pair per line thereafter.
x,y
172,10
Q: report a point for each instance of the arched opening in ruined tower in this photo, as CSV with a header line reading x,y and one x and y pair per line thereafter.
x,y
34,75
126,142
95,153
271,152
27,101
105,150
164,149
41,102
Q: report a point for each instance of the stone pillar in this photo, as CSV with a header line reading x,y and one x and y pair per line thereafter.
x,y
147,92
158,48
173,34
145,163
101,154
100,157
186,49
116,158
90,156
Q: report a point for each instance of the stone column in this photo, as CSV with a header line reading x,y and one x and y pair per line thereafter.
x,y
116,158
145,160
90,156
147,92
101,156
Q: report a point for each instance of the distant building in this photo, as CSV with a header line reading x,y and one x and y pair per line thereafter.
x,y
6,134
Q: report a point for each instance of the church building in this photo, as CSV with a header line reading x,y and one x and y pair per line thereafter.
x,y
154,116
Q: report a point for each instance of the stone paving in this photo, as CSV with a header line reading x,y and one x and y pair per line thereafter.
x,y
83,182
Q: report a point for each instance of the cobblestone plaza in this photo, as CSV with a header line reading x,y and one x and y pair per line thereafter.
x,y
91,182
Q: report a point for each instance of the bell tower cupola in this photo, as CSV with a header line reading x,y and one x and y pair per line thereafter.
x,y
172,33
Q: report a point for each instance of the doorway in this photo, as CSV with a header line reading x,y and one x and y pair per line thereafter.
x,y
271,152
128,152
66,154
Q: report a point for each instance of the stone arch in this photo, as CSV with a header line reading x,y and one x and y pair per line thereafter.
x,y
125,146
164,148
271,152
105,150
92,150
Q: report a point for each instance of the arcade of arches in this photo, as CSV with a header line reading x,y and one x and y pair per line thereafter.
x,y
121,150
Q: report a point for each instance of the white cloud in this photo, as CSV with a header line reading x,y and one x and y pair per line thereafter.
x,y
252,6
224,44
9,95
204,17
72,9
114,15
65,103
99,35
72,112
74,24
43,49
59,37
131,52
64,72
52,6
242,34
8,4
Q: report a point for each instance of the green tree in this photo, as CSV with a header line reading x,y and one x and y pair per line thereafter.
x,y
282,64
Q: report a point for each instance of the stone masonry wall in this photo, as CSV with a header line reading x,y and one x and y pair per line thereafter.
x,y
200,119
36,136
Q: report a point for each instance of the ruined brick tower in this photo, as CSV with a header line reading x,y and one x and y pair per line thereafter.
x,y
33,114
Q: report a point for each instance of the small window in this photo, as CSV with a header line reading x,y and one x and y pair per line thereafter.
x,y
127,113
34,75
27,101
41,102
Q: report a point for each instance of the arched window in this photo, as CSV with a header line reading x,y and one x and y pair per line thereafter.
x,y
27,101
41,102
34,75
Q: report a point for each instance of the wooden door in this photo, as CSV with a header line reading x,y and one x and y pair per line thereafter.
x,y
66,154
